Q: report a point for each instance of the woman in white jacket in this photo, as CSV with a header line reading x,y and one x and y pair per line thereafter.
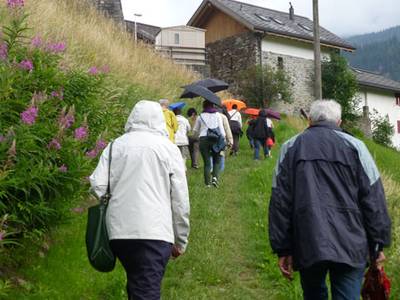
x,y
148,214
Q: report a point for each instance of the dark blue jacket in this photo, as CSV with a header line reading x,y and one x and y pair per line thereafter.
x,y
327,201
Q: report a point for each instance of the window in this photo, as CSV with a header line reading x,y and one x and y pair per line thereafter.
x,y
263,18
398,126
277,21
176,38
280,62
397,99
305,27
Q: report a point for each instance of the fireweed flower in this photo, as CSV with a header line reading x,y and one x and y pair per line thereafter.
x,y
100,145
66,120
81,133
15,3
56,47
37,42
63,169
58,94
2,138
54,144
29,116
3,51
92,153
93,71
26,65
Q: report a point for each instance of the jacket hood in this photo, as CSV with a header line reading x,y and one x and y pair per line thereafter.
x,y
147,116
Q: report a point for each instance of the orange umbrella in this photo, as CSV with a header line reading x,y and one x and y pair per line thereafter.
x,y
230,102
252,111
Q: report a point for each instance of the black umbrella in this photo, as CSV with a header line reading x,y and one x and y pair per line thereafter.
x,y
214,85
193,91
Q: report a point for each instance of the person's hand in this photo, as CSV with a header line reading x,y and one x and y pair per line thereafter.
x,y
379,261
176,251
285,264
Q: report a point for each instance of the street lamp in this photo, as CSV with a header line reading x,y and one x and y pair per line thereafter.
x,y
136,16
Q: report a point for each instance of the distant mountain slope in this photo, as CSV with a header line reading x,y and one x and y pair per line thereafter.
x,y
378,52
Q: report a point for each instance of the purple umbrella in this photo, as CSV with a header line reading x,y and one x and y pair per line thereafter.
x,y
273,114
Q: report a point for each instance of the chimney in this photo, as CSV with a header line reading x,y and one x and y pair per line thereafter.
x,y
291,12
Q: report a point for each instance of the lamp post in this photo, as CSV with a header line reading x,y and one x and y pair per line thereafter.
x,y
317,53
134,20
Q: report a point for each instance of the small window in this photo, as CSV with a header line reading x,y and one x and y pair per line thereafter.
x,y
398,126
280,62
176,38
277,21
305,27
398,99
263,18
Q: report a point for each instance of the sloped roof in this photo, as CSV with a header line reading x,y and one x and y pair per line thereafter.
x,y
147,31
370,79
258,18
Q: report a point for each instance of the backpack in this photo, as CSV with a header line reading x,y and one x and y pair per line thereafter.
x,y
235,125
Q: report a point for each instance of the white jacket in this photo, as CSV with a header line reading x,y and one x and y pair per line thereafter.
x,y
150,198
236,116
206,121
181,136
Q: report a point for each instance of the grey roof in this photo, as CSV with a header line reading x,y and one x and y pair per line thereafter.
x,y
370,79
144,31
276,22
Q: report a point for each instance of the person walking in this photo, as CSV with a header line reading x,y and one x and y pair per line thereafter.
x,y
181,136
148,213
260,132
210,119
235,122
193,140
170,119
228,136
327,212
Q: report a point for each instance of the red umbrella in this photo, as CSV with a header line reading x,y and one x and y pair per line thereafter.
x,y
270,113
252,111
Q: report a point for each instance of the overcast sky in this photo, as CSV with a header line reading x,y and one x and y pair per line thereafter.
x,y
343,17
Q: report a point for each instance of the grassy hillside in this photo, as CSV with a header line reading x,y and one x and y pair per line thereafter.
x,y
229,256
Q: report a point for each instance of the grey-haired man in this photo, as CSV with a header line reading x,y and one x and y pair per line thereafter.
x,y
328,211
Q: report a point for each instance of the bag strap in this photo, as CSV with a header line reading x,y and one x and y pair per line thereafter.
x,y
205,124
109,168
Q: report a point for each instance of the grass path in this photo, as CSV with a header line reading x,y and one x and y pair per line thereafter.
x,y
228,255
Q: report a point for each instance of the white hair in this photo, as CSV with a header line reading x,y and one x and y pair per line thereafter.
x,y
325,110
164,102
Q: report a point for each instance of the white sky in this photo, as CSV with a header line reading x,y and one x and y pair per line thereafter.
x,y
343,17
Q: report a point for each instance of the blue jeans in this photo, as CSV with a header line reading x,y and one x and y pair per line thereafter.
x,y
345,281
258,144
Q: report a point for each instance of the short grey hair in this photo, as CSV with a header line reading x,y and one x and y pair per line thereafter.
x,y
164,102
325,110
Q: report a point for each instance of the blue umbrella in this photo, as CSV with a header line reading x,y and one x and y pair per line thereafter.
x,y
177,105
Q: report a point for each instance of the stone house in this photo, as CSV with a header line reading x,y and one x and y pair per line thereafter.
x,y
381,94
240,35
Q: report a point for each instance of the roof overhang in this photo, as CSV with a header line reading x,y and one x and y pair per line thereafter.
x,y
378,86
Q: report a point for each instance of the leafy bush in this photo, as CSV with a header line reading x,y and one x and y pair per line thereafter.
x,y
53,122
382,129
264,85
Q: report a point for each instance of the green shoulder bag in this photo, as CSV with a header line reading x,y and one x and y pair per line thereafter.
x,y
98,248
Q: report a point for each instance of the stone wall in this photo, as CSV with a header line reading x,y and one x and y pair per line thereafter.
x,y
111,8
231,55
301,73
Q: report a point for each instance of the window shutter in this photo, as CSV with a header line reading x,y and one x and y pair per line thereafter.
x,y
398,126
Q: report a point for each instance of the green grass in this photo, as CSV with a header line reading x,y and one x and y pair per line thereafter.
x,y
228,255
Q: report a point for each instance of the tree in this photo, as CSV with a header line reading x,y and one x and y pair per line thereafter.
x,y
264,85
382,129
339,83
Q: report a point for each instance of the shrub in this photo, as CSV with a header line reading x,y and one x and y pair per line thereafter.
x,y
264,85
382,129
53,121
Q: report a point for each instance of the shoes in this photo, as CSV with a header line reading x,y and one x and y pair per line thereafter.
x,y
215,182
208,185
195,167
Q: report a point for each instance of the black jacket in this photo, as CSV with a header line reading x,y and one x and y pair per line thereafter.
x,y
327,201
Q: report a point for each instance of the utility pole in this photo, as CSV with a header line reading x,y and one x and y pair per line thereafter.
x,y
317,53
136,16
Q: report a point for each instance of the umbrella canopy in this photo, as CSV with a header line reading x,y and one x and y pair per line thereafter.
x,y
177,105
193,91
270,113
252,111
230,102
214,85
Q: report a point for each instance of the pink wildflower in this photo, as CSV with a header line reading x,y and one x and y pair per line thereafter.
x,y
57,47
29,116
3,51
66,120
105,69
15,3
37,42
26,65
93,71
63,169
54,144
81,133
2,138
92,153
58,94
100,145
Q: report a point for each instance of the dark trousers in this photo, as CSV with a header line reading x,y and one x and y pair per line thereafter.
x,y
144,262
235,146
194,152
345,281
207,153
